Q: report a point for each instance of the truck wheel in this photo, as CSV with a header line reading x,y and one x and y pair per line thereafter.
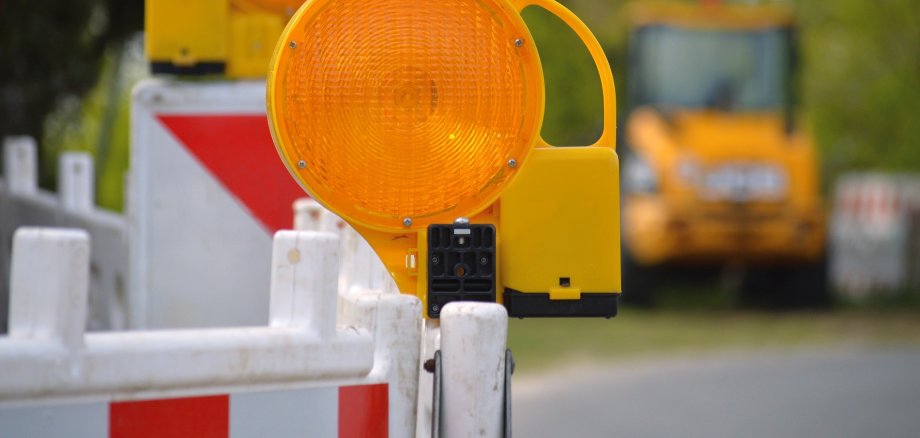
x,y
637,282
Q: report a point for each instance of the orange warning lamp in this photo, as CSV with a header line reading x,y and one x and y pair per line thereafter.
x,y
409,119
399,114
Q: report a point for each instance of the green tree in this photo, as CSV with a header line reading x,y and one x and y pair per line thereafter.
x,y
52,53
861,82
573,92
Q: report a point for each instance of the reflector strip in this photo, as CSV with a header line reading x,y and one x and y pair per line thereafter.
x,y
221,142
347,411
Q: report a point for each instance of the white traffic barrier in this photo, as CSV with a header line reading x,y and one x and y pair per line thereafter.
x,y
358,374
308,215
20,165
76,185
875,234
23,203
207,192
397,326
473,342
49,355
49,362
361,268
49,294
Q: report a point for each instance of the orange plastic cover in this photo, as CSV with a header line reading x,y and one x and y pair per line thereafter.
x,y
392,109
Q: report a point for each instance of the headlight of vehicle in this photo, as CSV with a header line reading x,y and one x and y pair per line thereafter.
x,y
689,172
745,182
638,176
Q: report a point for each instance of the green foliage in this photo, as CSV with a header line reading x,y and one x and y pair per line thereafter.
x,y
861,82
573,90
52,53
99,123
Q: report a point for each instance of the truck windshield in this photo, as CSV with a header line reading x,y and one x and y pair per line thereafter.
x,y
724,69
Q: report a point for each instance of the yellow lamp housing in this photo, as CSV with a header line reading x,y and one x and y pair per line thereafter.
x,y
418,123
231,37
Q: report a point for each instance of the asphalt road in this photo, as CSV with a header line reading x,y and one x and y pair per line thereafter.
x,y
844,392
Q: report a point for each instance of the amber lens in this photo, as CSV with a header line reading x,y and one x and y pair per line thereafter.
x,y
395,109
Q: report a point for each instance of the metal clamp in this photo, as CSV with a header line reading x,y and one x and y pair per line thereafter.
x,y
509,370
436,401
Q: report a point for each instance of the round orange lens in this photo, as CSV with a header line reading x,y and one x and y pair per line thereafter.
x,y
398,114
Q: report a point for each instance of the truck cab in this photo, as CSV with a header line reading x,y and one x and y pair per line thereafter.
x,y
716,171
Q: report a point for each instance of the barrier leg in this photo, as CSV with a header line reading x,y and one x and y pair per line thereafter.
x,y
473,342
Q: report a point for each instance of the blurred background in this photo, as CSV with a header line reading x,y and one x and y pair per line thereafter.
x,y
771,204
69,67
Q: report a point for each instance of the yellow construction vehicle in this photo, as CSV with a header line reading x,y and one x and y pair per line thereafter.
x,y
716,171
235,38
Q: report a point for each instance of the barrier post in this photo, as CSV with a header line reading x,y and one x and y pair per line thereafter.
x,y
304,281
473,342
76,187
48,286
20,165
307,215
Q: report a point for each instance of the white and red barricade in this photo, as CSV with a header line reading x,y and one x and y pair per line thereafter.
x,y
875,234
327,366
322,351
207,191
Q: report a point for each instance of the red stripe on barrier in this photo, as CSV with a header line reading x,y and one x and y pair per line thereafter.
x,y
238,150
363,411
198,417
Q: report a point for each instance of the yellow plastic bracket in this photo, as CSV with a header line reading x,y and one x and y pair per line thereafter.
x,y
608,136
565,293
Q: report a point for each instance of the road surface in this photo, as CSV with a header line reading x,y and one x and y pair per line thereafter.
x,y
842,392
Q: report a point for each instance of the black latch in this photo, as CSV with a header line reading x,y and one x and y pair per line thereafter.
x,y
461,264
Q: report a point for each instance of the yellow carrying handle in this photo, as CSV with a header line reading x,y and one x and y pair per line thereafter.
x,y
608,135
